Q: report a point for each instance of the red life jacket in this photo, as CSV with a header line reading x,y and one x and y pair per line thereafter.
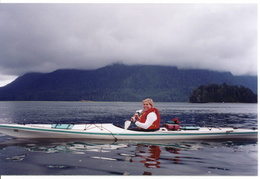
x,y
156,123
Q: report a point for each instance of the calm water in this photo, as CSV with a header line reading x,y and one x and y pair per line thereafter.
x,y
75,157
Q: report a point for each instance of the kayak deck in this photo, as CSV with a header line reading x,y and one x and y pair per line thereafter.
x,y
110,131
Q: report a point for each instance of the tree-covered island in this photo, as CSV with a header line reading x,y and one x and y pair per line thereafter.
x,y
222,93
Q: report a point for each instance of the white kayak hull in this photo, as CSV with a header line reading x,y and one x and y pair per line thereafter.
x,y
109,131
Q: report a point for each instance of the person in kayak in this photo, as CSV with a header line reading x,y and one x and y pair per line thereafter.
x,y
148,118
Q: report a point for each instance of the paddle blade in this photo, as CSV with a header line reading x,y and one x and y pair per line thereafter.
x,y
127,124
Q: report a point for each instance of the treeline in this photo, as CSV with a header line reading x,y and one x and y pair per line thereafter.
x,y
117,82
222,93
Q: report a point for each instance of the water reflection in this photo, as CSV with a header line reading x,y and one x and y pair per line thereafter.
x,y
124,158
175,151
57,146
149,154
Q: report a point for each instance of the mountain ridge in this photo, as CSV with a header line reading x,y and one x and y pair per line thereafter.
x,y
117,82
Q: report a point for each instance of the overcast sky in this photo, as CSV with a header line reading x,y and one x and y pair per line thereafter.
x,y
46,37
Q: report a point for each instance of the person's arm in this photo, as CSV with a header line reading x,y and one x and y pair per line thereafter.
x,y
151,117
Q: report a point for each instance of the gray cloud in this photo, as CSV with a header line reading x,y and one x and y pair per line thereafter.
x,y
46,37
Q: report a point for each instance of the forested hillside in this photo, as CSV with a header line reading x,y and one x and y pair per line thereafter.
x,y
118,83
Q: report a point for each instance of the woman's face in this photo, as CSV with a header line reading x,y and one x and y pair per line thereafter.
x,y
146,106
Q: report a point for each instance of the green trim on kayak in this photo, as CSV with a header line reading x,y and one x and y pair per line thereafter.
x,y
190,128
62,126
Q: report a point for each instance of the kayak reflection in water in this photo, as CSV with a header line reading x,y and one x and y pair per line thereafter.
x,y
148,118
176,159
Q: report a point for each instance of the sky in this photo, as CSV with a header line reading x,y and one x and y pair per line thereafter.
x,y
46,37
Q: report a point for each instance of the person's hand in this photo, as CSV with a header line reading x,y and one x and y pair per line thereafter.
x,y
133,119
136,116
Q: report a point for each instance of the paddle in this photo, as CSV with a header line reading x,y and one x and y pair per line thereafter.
x,y
127,124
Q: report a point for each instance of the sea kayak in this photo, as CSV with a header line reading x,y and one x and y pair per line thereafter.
x,y
109,131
